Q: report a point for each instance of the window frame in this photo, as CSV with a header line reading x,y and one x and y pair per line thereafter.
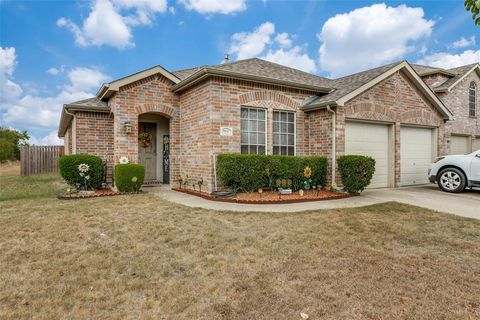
x,y
248,131
472,87
287,133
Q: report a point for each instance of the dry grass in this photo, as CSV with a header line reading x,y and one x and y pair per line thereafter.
x,y
141,257
10,168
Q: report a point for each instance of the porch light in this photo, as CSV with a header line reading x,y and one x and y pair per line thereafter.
x,y
128,126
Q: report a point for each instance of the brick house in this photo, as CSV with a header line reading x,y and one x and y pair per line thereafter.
x,y
185,118
457,88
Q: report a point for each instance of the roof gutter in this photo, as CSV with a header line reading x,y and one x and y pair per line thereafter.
x,y
319,106
207,72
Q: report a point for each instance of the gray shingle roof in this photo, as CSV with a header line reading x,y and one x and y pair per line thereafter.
x,y
90,102
459,72
345,85
185,73
421,69
267,69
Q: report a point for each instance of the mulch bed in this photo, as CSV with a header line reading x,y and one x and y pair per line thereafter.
x,y
98,193
272,197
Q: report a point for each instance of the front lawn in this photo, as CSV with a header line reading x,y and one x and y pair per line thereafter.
x,y
142,257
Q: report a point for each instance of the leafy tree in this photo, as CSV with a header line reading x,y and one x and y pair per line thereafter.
x,y
10,140
473,6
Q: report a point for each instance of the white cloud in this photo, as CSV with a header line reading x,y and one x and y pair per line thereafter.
x,y
447,60
107,24
8,88
370,36
7,60
264,43
294,58
49,140
463,42
251,44
54,71
284,40
37,113
215,6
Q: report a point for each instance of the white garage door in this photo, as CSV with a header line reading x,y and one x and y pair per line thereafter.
x,y
476,144
459,145
415,155
370,140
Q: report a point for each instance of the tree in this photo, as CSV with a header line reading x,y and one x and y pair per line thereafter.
x,y
10,140
473,6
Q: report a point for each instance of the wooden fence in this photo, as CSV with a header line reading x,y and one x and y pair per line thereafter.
x,y
39,159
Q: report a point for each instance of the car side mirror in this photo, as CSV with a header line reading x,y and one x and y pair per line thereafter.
x,y
477,155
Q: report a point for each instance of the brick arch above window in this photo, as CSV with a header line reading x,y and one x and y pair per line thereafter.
x,y
162,109
370,112
266,99
421,117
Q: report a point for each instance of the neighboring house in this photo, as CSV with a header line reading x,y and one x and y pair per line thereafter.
x,y
185,118
459,90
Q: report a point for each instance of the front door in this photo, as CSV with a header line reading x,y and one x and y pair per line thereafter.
x,y
147,148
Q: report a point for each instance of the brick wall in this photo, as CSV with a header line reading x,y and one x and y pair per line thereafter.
x,y
457,102
94,135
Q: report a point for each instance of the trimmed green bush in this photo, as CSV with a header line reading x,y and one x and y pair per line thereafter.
x,y
249,172
68,165
129,177
356,172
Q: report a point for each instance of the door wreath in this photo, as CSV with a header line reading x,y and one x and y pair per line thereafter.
x,y
145,139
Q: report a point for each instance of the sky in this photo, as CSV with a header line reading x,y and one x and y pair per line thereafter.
x,y
58,52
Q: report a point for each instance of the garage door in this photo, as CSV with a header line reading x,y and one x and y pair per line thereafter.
x,y
370,140
476,144
415,155
459,145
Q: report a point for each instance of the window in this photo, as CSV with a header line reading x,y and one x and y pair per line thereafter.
x,y
284,133
252,130
472,100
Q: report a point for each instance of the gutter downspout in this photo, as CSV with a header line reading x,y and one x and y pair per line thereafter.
x,y
74,134
334,146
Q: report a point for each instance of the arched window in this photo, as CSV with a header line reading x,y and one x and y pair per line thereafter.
x,y
472,100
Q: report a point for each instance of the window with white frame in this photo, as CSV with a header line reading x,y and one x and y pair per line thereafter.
x,y
472,100
253,130
284,133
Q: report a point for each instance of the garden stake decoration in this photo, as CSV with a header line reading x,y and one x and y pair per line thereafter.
x,y
260,191
200,183
185,180
307,173
180,181
83,169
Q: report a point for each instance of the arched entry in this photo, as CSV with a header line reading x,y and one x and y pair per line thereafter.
x,y
154,147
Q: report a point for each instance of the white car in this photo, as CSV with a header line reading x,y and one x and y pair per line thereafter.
x,y
456,172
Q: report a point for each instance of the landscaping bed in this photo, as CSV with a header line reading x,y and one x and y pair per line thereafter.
x,y
272,197
94,194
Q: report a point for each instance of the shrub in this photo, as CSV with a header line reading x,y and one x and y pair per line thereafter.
x,y
356,172
69,169
249,172
129,177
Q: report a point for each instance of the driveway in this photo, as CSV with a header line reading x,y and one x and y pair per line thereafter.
x,y
465,204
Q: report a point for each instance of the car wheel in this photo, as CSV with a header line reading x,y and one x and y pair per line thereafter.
x,y
452,180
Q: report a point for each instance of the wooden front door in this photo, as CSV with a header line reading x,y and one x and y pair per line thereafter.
x,y
147,150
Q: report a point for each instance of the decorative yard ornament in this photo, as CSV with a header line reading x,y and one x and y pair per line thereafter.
x,y
145,139
123,160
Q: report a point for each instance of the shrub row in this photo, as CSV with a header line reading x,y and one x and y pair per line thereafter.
x,y
249,172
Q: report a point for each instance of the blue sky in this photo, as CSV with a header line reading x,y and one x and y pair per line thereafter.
x,y
55,52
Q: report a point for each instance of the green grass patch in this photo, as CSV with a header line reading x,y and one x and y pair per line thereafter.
x,y
40,186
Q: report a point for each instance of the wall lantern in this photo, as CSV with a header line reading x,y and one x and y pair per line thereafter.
x,y
128,126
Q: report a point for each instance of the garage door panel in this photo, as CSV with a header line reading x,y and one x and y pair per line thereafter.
x,y
415,155
370,140
476,144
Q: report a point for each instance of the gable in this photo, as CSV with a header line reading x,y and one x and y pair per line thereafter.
x,y
394,99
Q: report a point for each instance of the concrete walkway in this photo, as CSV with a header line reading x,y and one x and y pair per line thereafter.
x,y
466,204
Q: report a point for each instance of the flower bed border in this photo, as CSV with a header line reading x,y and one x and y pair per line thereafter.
x,y
208,196
75,196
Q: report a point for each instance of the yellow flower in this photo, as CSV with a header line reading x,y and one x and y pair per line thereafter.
x,y
307,172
